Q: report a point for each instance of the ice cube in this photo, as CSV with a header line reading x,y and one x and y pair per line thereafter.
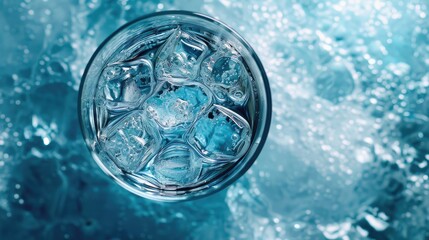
x,y
224,72
177,164
179,58
131,141
176,107
102,116
125,84
220,135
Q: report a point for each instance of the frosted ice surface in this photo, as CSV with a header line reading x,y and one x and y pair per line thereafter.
x,y
177,163
176,107
220,135
224,72
131,141
180,56
125,84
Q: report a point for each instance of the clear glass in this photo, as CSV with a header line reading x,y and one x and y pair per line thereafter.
x,y
143,37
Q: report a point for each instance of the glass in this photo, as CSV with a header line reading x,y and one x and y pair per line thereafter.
x,y
165,57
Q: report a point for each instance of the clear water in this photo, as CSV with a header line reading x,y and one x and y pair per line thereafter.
x,y
144,113
345,159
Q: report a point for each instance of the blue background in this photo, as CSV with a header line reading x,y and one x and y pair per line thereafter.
x,y
347,154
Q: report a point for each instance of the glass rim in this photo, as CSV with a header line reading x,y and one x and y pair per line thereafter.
x,y
232,176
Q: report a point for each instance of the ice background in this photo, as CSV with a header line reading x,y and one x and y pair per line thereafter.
x,y
346,158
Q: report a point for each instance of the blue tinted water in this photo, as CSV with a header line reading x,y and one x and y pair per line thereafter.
x,y
347,155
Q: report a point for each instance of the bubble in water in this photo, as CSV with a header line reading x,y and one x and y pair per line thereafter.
x,y
177,163
179,58
220,135
226,71
335,83
131,141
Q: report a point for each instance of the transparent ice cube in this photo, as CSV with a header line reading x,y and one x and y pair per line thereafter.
x,y
126,84
177,164
131,141
179,58
176,107
224,72
102,116
220,135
